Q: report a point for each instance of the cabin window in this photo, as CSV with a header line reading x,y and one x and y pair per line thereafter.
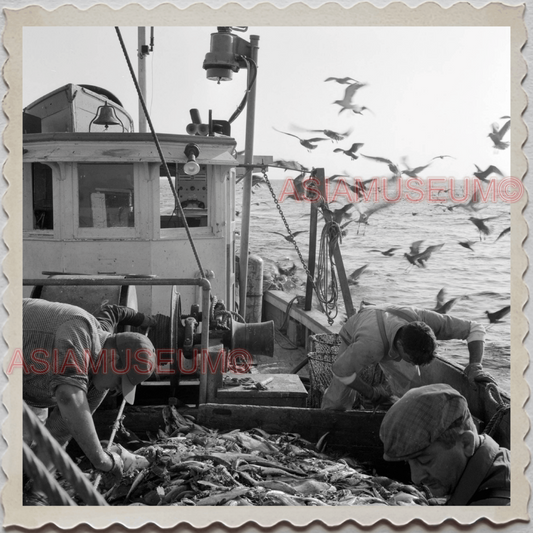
x,y
42,197
192,193
105,195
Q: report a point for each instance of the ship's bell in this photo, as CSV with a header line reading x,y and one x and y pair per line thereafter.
x,y
106,116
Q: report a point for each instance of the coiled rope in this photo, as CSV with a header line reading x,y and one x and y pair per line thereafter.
x,y
50,451
502,409
327,289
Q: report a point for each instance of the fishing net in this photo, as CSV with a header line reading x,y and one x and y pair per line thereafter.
x,y
324,349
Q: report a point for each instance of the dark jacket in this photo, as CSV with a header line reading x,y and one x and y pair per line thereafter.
x,y
486,479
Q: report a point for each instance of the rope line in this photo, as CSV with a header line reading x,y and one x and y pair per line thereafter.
x,y
158,146
327,290
501,411
285,324
50,451
43,480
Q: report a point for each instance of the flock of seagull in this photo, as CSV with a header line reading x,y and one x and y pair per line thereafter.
x,y
416,257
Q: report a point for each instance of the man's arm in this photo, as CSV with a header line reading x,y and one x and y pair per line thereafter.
x,y
362,388
449,327
110,316
74,409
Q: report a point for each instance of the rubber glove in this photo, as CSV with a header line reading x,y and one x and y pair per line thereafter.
x,y
381,396
130,460
475,374
113,476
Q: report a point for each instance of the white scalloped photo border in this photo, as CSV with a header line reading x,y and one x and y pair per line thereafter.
x,y
331,14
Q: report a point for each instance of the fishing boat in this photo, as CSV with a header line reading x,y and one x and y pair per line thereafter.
x,y
94,229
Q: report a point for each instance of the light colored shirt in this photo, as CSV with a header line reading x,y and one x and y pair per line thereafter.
x,y
362,345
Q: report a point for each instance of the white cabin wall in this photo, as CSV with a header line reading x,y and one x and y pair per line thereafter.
x,y
145,249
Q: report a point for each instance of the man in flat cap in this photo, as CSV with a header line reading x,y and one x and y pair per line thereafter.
x,y
72,359
432,429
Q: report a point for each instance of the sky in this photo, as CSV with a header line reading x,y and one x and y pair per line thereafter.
x,y
431,90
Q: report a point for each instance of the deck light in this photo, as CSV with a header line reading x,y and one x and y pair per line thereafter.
x,y
191,168
225,56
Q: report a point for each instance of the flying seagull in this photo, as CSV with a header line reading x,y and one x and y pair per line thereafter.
x,y
503,233
444,305
393,167
289,238
473,204
353,278
350,152
306,143
358,188
333,135
339,215
388,253
498,315
342,81
346,103
289,165
444,308
497,135
481,226
365,215
420,259
467,244
484,174
298,183
413,172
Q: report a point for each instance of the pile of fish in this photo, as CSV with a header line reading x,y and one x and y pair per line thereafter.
x,y
193,465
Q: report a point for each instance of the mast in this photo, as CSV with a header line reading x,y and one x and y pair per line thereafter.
x,y
141,67
247,187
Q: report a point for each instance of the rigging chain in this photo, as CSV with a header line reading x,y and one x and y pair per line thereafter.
x,y
328,304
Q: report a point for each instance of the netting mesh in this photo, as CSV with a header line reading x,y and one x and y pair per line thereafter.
x,y
324,349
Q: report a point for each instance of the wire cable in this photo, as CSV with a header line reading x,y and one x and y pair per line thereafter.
x,y
249,63
159,150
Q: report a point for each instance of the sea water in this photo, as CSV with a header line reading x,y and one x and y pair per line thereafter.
x,y
482,275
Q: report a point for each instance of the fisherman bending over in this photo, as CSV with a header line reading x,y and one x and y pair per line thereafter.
x,y
400,339
432,428
74,360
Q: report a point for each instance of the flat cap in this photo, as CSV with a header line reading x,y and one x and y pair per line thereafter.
x,y
418,419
